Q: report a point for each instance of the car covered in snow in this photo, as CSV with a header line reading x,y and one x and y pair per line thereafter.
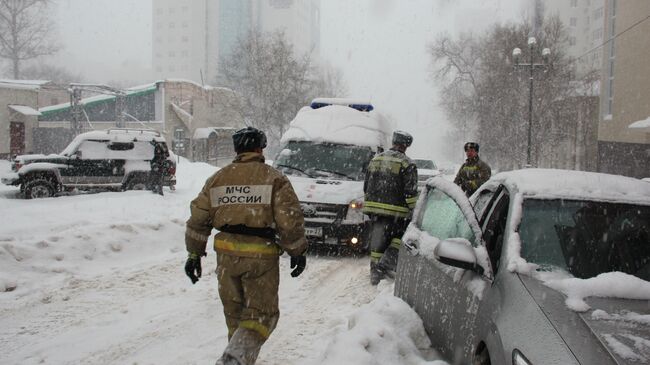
x,y
325,154
426,169
539,266
113,159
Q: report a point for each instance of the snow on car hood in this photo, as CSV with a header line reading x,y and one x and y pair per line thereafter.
x,y
608,326
326,190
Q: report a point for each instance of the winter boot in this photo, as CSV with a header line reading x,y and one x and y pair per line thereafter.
x,y
243,347
376,273
227,360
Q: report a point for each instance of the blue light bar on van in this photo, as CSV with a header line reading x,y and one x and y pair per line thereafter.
x,y
321,102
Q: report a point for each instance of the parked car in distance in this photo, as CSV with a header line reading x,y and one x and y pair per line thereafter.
x,y
540,267
426,169
113,159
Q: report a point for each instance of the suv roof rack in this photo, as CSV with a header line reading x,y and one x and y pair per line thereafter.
x,y
134,131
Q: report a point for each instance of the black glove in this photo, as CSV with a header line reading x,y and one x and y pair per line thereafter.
x,y
193,267
299,262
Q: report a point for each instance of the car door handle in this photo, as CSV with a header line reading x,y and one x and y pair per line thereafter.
x,y
411,247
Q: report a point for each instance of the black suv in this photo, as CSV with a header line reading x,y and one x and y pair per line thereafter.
x,y
113,159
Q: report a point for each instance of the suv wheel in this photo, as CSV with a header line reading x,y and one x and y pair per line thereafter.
x,y
39,188
136,184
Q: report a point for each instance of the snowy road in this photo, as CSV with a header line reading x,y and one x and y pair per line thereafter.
x,y
98,279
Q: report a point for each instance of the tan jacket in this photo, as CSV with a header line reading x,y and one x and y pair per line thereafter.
x,y
252,194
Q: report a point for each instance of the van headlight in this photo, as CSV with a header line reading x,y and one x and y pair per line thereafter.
x,y
355,211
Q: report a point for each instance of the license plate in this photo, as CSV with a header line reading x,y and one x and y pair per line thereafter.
x,y
314,231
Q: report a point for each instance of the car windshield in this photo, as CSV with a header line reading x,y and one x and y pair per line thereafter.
x,y
586,238
324,160
425,164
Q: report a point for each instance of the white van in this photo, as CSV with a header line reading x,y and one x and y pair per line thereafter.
x,y
325,154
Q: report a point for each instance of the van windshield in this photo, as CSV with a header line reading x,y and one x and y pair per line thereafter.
x,y
324,160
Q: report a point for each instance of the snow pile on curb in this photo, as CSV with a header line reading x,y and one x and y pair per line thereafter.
x,y
384,331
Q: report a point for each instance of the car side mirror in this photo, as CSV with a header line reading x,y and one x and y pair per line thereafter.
x,y
77,154
458,252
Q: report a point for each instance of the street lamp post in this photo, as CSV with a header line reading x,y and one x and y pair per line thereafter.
x,y
516,55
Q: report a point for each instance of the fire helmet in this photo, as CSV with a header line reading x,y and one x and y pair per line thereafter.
x,y
248,139
403,138
469,145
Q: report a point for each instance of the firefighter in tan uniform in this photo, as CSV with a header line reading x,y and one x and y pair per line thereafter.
x,y
250,203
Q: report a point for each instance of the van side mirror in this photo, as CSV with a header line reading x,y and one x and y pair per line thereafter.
x,y
458,252
77,154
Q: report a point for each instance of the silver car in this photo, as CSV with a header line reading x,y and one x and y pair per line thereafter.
x,y
480,271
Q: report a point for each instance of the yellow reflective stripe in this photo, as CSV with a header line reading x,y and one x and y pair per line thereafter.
x,y
260,248
412,200
391,213
388,158
470,168
375,256
394,208
256,326
379,165
396,242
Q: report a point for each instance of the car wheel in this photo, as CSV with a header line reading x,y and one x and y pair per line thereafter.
x,y
39,188
136,185
482,356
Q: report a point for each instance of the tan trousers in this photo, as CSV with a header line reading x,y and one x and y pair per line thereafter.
x,y
248,288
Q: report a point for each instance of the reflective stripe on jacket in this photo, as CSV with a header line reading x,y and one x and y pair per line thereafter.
x,y
247,193
472,175
391,185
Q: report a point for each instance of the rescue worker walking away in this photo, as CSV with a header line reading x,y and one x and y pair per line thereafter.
x,y
474,171
249,202
391,192
160,154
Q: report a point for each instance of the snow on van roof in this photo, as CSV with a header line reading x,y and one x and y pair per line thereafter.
x,y
579,185
338,124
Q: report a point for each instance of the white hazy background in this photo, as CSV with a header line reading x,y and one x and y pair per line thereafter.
x,y
380,46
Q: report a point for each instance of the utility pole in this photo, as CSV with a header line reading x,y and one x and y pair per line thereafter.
x,y
516,55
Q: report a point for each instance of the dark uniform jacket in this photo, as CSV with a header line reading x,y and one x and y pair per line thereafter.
x,y
472,174
391,185
249,202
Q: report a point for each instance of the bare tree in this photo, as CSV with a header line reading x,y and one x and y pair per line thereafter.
x,y
56,74
273,81
487,98
25,32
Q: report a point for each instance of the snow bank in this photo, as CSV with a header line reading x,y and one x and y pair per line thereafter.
x,y
384,331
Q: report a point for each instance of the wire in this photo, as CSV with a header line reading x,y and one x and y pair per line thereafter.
x,y
614,37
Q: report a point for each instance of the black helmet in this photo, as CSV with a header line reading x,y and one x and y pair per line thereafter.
x,y
403,138
469,145
248,139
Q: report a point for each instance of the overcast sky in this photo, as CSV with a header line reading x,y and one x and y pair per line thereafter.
x,y
380,46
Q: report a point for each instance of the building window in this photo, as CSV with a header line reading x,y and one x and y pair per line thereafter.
x,y
185,9
158,68
172,25
572,41
172,54
185,24
573,21
574,3
172,68
185,53
185,39
159,11
598,13
171,10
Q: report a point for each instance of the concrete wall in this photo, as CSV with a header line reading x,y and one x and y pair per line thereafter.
x,y
625,96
